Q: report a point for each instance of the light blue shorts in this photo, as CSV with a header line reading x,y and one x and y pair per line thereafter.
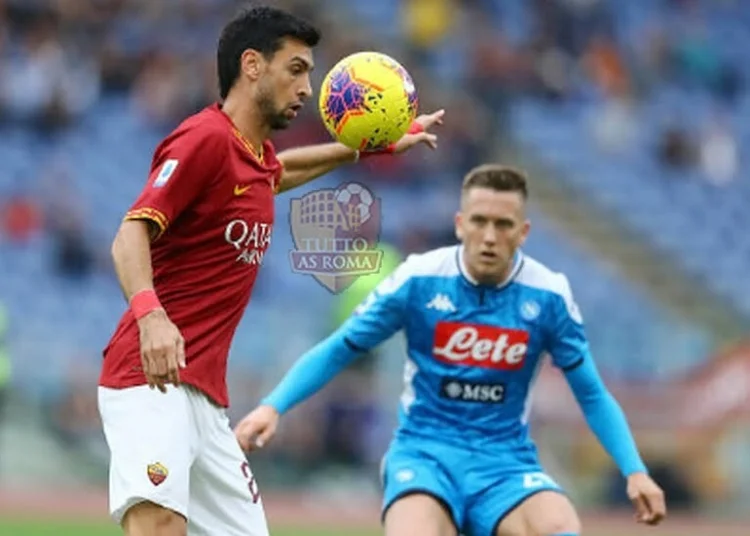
x,y
477,488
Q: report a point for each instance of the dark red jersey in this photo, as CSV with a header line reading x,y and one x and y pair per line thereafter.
x,y
212,197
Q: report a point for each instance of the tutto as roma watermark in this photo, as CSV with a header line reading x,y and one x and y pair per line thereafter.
x,y
336,233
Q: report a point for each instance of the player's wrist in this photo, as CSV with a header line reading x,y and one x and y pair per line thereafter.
x,y
637,473
414,128
145,302
272,405
363,155
274,410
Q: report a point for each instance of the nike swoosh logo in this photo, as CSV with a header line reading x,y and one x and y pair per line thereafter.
x,y
239,190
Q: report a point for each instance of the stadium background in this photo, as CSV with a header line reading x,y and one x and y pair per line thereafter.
x,y
633,118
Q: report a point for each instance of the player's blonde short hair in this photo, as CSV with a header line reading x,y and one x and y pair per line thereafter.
x,y
496,177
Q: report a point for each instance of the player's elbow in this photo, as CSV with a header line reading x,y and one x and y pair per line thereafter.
x,y
589,391
594,398
120,242
132,234
587,385
115,250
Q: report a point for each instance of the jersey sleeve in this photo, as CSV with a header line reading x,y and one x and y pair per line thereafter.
x,y
374,320
382,313
567,342
183,166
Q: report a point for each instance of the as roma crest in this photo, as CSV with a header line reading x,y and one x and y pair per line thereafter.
x,y
157,473
336,233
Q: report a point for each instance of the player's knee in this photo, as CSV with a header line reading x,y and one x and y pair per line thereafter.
x,y
418,514
149,519
556,525
550,513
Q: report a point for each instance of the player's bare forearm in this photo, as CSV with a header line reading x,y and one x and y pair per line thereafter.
x,y
131,253
303,164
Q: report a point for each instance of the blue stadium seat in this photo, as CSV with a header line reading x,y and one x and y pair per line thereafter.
x,y
58,322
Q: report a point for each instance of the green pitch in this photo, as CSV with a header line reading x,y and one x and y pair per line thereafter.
x,y
61,528
52,528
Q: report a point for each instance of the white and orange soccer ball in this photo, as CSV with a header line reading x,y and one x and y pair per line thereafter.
x,y
368,101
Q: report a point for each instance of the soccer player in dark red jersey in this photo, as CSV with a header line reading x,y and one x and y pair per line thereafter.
x,y
187,256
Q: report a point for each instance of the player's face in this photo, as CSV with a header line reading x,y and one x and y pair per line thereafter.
x,y
285,84
492,225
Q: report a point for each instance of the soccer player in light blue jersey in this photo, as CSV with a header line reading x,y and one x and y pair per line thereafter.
x,y
479,318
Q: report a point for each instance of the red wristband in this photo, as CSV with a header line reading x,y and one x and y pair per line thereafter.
x,y
388,150
143,302
415,128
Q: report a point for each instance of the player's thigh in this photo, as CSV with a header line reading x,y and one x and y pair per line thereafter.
x,y
224,495
148,519
546,513
418,485
419,514
502,498
151,438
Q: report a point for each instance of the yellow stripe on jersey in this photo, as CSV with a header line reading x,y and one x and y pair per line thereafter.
x,y
151,214
257,154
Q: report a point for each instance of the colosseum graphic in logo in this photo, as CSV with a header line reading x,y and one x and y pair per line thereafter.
x,y
336,233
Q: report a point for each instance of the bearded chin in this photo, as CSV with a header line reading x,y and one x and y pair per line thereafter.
x,y
273,118
278,121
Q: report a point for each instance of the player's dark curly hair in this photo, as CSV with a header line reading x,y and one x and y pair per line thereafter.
x,y
497,177
260,28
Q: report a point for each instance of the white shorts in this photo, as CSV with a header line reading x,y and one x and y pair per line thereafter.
x,y
176,449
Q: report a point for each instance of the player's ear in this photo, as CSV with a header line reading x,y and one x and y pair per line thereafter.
x,y
252,63
525,232
459,226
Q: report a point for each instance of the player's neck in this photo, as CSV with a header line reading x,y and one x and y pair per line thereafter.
x,y
489,281
484,279
246,118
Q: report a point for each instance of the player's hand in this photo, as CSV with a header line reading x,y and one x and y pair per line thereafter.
x,y
648,499
257,428
427,122
162,350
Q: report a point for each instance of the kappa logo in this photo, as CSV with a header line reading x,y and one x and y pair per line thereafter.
x,y
157,473
442,303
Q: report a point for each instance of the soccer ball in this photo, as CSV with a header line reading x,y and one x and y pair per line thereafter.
x,y
358,198
368,101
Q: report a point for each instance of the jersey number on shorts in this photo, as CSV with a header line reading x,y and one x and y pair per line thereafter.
x,y
252,485
537,480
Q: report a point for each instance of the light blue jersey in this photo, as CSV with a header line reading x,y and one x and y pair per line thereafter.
x,y
473,353
473,350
